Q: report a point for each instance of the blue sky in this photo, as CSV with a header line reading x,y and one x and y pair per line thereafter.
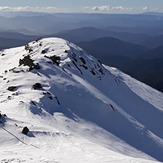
x,y
106,6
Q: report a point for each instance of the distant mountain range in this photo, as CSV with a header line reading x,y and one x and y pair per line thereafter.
x,y
108,47
156,53
10,39
91,33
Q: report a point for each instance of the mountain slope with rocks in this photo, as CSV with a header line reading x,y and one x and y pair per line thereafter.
x,y
71,107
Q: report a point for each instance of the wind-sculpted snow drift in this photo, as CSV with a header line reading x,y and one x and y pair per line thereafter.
x,y
75,107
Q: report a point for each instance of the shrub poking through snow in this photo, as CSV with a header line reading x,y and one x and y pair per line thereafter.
x,y
25,130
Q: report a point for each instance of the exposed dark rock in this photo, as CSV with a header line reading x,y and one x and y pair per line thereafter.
x,y
73,56
27,47
33,103
112,106
74,59
48,94
12,88
92,71
56,60
25,130
27,61
9,97
101,71
38,74
37,66
57,100
85,67
49,62
15,70
30,50
37,86
77,67
51,98
2,117
68,65
43,52
83,60
15,94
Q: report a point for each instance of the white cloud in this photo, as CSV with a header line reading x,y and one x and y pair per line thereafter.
x,y
145,8
101,8
120,8
109,8
28,8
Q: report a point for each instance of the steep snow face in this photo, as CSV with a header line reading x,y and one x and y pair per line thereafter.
x,y
74,107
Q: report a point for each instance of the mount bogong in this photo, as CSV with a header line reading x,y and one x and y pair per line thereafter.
x,y
76,108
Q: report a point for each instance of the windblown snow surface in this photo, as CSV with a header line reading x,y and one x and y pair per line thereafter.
x,y
77,110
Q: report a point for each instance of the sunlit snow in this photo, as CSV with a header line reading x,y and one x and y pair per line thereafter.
x,y
76,108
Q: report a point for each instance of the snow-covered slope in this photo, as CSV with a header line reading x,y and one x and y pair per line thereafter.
x,y
75,108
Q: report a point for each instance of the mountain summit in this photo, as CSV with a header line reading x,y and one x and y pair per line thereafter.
x,y
74,108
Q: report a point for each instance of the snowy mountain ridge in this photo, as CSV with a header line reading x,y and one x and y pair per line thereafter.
x,y
75,107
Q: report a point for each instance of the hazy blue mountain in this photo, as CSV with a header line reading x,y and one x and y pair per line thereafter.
x,y
147,68
156,53
148,71
18,13
153,13
53,23
16,35
153,42
110,47
12,42
8,43
153,31
92,33
10,39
